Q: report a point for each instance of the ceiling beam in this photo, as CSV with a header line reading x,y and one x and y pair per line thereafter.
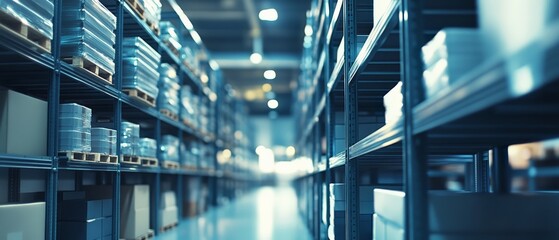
x,y
269,61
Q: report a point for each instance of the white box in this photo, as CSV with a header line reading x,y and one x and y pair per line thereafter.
x,y
168,199
22,221
379,228
168,216
134,222
389,205
380,8
394,232
135,196
23,124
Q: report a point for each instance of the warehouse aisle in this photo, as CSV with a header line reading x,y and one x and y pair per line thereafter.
x,y
268,213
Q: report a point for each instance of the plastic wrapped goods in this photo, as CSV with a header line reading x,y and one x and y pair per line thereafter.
x,y
74,128
140,66
37,14
103,140
130,137
148,148
169,148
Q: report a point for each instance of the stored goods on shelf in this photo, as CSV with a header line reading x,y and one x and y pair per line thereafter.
x,y
22,221
451,54
134,211
168,99
75,128
170,36
37,14
169,151
130,133
168,211
393,103
148,148
103,140
152,12
85,219
140,64
88,36
23,124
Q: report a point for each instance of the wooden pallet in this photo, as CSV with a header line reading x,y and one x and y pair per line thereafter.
x,y
170,165
168,227
128,159
137,7
15,26
108,159
188,123
173,49
80,156
170,114
153,26
140,96
149,162
189,167
82,62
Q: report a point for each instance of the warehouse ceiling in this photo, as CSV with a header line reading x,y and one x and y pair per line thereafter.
x,y
228,29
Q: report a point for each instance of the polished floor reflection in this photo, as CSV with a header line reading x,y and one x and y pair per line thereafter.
x,y
268,213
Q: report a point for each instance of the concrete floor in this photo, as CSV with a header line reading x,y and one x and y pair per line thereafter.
x,y
268,213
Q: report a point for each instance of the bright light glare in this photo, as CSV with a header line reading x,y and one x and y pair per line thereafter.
x,y
269,14
256,58
266,161
260,150
266,87
308,30
214,65
273,104
204,78
226,154
238,135
290,151
270,74
196,37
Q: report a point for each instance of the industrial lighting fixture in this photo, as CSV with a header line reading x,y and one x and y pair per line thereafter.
x,y
266,87
256,58
273,103
270,74
269,14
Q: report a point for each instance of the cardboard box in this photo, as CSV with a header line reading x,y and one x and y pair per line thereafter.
x,y
389,205
394,232
135,196
87,230
23,124
134,222
107,226
16,223
168,199
168,216
80,210
379,228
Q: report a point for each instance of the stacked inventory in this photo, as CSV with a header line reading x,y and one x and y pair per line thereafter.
x,y
130,137
336,230
168,99
393,103
188,156
452,53
82,218
147,148
88,33
140,64
170,36
169,151
189,57
36,14
103,140
152,12
134,211
22,221
187,105
168,211
75,128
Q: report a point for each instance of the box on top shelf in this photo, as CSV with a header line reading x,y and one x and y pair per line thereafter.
x,y
88,32
130,133
152,11
148,148
140,65
169,148
36,14
393,103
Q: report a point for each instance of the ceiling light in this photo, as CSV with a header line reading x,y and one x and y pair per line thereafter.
x,y
290,151
273,103
270,74
196,37
266,87
308,30
269,14
260,149
256,58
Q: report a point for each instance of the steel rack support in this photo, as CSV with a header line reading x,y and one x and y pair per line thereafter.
x,y
481,173
501,170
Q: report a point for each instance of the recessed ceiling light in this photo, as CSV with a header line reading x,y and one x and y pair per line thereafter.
x,y
266,87
270,74
269,14
256,58
273,104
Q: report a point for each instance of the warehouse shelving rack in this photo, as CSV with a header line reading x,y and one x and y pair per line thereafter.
x,y
47,77
483,111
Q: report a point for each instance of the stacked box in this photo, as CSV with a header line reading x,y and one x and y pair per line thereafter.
x,y
152,11
168,88
452,53
74,128
393,103
139,65
134,211
169,148
85,219
22,221
169,34
88,31
189,56
130,138
103,140
336,230
188,158
37,14
168,211
187,106
148,148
